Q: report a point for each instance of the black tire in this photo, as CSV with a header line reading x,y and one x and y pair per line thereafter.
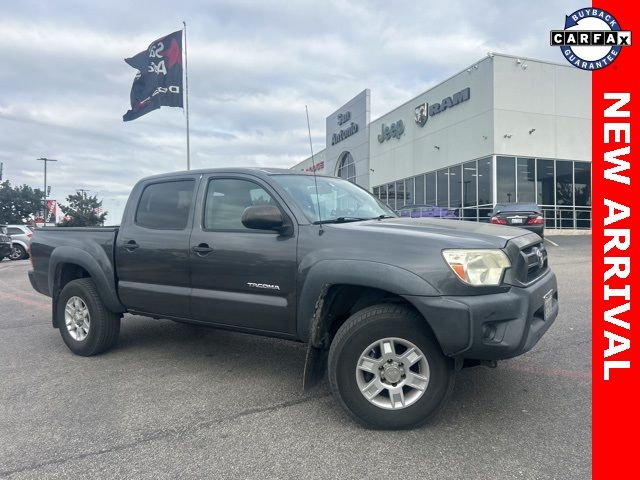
x,y
366,327
104,325
18,252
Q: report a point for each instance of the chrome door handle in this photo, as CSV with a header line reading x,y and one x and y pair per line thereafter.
x,y
131,245
202,249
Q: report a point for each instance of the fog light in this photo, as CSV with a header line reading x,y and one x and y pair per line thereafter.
x,y
488,331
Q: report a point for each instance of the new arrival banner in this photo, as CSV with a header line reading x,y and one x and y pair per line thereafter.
x,y
599,39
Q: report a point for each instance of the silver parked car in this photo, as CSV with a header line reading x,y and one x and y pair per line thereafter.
x,y
20,241
5,243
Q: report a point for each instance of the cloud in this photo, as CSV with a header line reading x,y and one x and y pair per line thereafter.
x,y
253,66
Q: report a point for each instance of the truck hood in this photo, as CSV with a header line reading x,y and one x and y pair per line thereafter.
x,y
412,245
450,233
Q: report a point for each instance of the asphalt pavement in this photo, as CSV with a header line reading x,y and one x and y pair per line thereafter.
x,y
179,401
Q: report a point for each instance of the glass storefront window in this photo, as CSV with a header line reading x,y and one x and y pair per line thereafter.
x,y
431,189
400,194
485,182
484,214
564,218
583,218
562,188
419,193
506,179
383,193
442,199
455,187
470,214
408,191
347,167
564,182
545,184
469,181
549,214
525,175
582,175
391,195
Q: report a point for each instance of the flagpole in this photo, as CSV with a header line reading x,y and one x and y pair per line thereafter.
x,y
186,93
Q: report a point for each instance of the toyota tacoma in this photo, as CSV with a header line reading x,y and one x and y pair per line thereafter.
x,y
390,308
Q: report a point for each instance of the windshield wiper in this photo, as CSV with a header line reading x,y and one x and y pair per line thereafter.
x,y
341,220
351,219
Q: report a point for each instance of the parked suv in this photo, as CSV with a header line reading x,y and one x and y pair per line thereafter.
x,y
20,241
5,243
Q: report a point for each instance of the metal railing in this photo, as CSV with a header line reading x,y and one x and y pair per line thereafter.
x,y
567,218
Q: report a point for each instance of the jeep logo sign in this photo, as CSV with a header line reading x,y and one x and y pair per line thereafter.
x,y
395,130
424,110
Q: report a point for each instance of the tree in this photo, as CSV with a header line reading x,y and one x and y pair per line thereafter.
x,y
19,204
82,211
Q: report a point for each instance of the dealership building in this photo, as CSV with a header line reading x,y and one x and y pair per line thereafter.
x,y
505,129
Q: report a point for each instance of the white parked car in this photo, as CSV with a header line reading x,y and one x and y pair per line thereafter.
x,y
20,241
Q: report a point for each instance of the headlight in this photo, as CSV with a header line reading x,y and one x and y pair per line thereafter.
x,y
478,267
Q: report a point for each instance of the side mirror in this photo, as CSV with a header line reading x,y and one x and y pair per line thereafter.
x,y
263,217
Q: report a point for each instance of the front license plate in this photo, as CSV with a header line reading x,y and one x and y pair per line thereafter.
x,y
548,304
516,220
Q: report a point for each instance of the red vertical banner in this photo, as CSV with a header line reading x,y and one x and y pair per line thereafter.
x,y
616,259
51,211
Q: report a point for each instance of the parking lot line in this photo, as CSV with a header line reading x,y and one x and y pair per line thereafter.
x,y
551,242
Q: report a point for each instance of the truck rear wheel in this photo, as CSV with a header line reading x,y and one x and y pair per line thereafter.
x,y
387,370
86,326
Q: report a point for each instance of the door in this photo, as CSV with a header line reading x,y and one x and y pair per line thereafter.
x,y
152,248
239,276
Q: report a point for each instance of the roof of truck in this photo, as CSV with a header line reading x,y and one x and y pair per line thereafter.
x,y
247,170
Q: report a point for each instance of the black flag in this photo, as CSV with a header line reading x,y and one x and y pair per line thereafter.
x,y
159,80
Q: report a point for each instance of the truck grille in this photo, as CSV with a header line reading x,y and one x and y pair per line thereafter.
x,y
533,262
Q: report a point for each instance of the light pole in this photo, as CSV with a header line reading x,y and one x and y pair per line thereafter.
x,y
44,205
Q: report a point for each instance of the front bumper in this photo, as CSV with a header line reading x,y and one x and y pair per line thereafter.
x,y
491,327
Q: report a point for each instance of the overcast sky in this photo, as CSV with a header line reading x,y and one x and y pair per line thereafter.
x,y
252,68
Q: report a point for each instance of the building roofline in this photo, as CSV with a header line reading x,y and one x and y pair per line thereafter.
x,y
413,99
489,56
531,59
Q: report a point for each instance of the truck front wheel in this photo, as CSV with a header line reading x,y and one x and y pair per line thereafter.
x,y
85,324
387,370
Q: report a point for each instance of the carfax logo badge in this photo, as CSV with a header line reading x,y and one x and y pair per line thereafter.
x,y
592,38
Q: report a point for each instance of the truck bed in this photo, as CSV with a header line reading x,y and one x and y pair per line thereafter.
x,y
98,242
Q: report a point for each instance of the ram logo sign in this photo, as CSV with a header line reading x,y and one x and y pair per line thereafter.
x,y
424,110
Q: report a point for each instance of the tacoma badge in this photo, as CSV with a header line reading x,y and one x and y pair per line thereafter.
x,y
263,285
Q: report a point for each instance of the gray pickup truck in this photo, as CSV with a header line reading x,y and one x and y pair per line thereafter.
x,y
390,307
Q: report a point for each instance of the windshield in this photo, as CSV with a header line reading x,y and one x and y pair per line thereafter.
x,y
339,200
